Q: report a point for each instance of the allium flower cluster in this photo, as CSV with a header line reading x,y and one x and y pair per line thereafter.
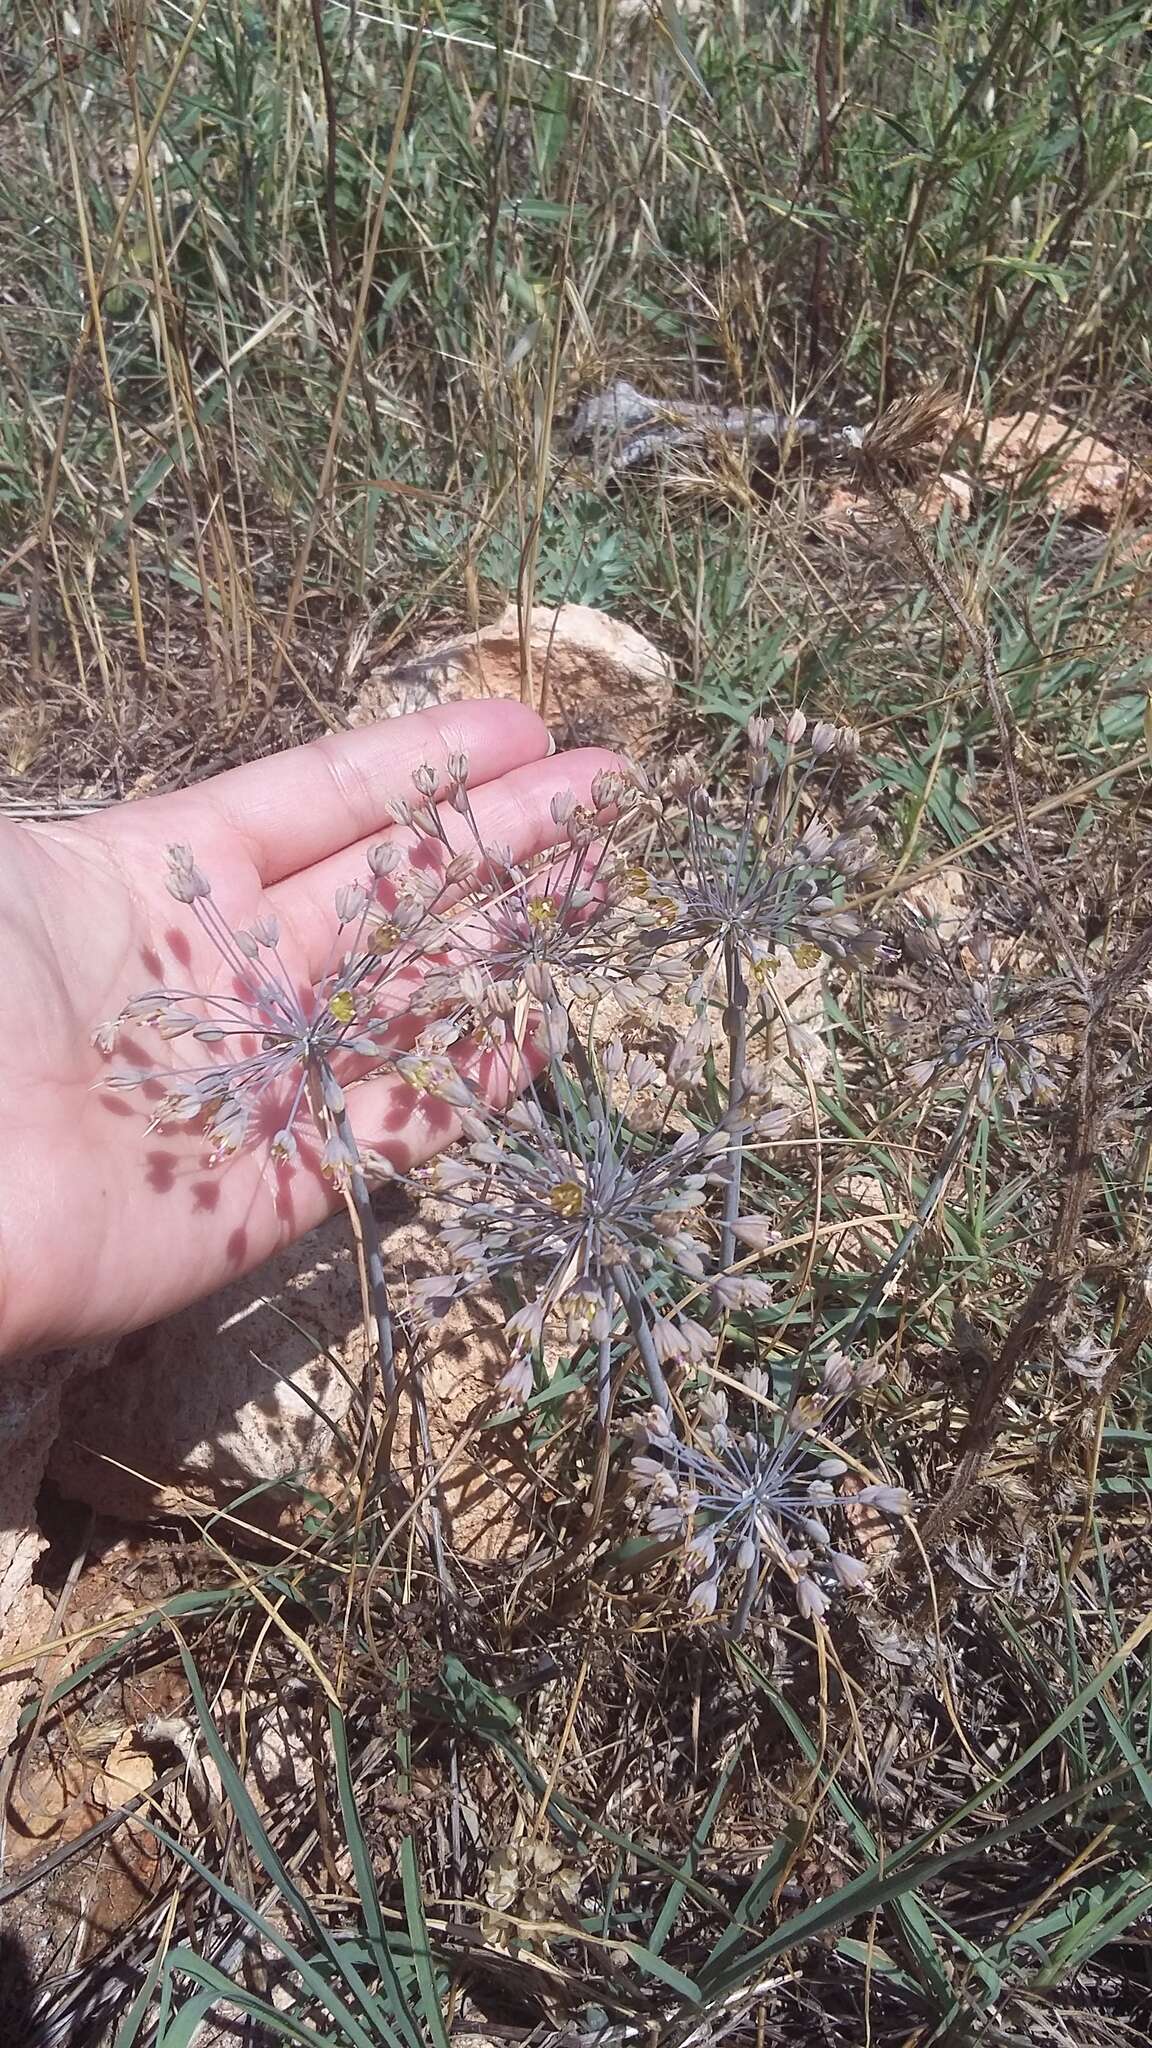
x,y
584,1215
749,1507
738,882
993,1037
551,928
278,1053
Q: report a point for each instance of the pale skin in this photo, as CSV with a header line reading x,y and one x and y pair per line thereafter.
x,y
105,1225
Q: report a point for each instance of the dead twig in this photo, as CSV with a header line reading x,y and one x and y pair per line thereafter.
x,y
1053,1289
977,636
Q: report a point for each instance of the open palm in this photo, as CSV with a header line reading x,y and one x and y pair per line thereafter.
x,y
104,1227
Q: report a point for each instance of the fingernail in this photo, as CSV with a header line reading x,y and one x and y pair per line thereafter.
x,y
551,743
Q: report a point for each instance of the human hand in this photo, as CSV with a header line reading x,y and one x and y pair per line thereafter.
x,y
104,1229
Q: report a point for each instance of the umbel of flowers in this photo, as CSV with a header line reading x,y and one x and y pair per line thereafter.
x,y
620,1238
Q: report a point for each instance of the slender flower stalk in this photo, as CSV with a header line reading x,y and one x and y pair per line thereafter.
x,y
736,1025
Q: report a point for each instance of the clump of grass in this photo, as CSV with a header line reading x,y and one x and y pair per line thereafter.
x,y
311,291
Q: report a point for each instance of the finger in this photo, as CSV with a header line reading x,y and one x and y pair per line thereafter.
x,y
406,1128
263,1206
513,812
232,1217
300,807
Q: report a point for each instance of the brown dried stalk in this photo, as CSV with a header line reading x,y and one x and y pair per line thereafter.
x,y
1053,1289
894,435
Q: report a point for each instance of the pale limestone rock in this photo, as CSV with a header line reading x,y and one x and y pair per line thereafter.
x,y
1083,477
25,1621
30,1392
485,1493
652,1027
253,1384
860,515
1077,474
594,677
942,900
189,1405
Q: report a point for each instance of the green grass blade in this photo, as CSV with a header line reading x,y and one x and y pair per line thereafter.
x,y
367,1890
354,2034
410,1875
258,1840
219,1988
667,1916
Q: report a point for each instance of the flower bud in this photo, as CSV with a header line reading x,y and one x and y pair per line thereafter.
x,y
891,1500
756,1232
538,980
351,901
702,1599
612,1059
811,1599
850,1572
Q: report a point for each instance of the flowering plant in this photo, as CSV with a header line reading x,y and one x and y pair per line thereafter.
x,y
478,980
